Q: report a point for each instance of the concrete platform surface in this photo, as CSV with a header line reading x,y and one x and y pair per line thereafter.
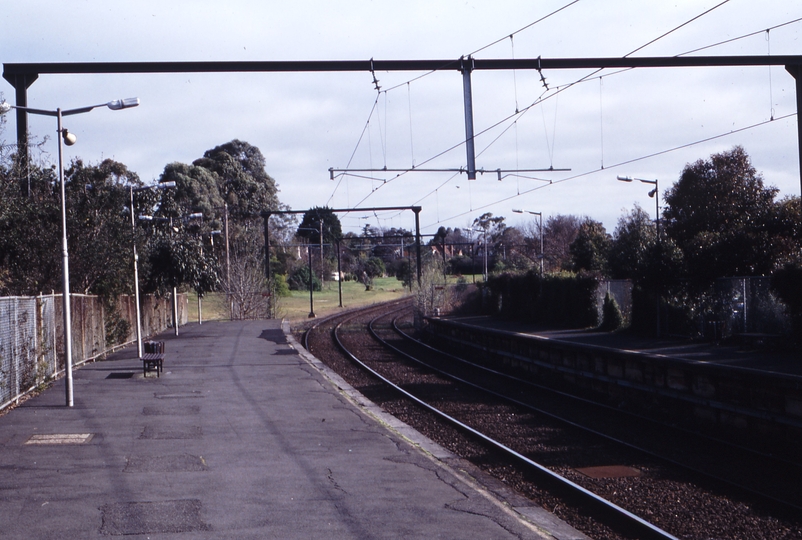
x,y
757,358
241,437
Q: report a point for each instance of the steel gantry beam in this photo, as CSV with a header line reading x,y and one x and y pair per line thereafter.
x,y
22,75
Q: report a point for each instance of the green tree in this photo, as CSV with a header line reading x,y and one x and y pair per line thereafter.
x,y
30,230
717,213
99,227
368,269
197,190
243,182
633,239
559,232
591,247
332,229
180,260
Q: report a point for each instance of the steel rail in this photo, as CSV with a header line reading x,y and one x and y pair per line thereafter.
x,y
592,431
613,514
716,440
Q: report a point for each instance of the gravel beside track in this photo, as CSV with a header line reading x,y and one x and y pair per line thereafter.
x,y
671,498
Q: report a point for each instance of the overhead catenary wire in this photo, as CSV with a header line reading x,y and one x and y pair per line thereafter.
x,y
541,98
718,44
558,90
622,163
676,28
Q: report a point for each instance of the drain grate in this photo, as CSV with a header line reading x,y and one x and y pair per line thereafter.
x,y
60,438
609,471
128,375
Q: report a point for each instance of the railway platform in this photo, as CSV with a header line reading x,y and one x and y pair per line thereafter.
x,y
750,356
243,435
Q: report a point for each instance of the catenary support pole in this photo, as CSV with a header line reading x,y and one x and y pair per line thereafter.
x,y
267,215
466,67
796,72
339,273
417,210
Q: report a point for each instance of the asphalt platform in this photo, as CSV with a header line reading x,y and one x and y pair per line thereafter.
x,y
784,360
243,436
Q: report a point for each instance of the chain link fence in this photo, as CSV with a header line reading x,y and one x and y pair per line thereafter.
x,y
32,334
746,305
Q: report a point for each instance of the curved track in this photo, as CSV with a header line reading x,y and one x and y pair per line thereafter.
x,y
430,392
779,477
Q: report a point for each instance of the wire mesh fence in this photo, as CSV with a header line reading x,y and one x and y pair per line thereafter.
x,y
32,334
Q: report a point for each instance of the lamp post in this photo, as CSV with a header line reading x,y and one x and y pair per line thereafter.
x,y
655,193
309,251
484,242
65,137
212,234
540,215
196,215
163,185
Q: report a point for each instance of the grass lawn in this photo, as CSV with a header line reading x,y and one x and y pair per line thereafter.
x,y
295,307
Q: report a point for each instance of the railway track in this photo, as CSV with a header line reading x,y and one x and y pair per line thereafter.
x,y
605,484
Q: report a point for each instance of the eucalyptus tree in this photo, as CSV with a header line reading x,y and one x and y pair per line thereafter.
x,y
591,247
718,214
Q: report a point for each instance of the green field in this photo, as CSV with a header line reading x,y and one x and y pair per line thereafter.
x,y
295,308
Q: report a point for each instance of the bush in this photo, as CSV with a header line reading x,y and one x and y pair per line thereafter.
x,y
612,319
787,284
567,301
280,285
116,328
299,280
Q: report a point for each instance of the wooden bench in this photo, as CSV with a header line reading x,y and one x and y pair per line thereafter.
x,y
153,358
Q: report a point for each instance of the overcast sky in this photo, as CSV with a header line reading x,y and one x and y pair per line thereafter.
x,y
308,122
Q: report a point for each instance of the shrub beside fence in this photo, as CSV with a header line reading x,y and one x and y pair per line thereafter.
x,y
556,300
32,335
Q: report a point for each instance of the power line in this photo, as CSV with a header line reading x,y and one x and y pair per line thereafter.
x,y
622,163
543,96
525,27
677,28
740,37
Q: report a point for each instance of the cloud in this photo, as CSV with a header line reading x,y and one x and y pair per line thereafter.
x,y
305,123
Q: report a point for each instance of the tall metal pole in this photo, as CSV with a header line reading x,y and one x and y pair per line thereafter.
x,y
484,241
136,281
466,65
796,73
418,239
228,260
65,270
339,273
541,244
311,275
175,310
322,277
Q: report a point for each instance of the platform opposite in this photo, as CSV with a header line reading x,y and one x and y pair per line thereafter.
x,y
241,437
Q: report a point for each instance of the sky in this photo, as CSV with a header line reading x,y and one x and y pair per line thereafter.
x,y
642,123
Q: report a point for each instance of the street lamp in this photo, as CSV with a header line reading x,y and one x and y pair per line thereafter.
x,y
309,251
540,215
65,137
163,185
484,242
185,219
655,193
